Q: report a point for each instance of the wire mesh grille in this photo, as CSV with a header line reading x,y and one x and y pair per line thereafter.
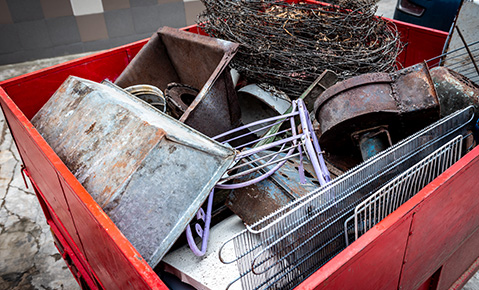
x,y
459,61
284,248
392,195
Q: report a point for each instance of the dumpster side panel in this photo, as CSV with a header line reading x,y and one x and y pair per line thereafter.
x,y
43,175
420,43
114,261
458,264
445,220
372,262
41,170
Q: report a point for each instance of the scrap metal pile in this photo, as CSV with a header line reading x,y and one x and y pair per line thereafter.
x,y
204,141
290,44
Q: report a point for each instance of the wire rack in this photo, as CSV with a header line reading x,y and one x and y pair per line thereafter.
x,y
284,248
460,60
392,195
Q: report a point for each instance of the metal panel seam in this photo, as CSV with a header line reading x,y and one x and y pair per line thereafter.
x,y
407,245
73,220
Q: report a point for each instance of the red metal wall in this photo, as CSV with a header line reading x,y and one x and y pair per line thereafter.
x,y
433,235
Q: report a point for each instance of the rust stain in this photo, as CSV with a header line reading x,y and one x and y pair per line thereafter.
x,y
89,130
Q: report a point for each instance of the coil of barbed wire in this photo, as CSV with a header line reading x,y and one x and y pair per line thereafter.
x,y
290,44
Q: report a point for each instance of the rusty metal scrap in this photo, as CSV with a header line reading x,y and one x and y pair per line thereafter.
x,y
403,102
174,56
454,90
290,44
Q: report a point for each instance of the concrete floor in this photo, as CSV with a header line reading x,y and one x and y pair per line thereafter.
x,y
29,259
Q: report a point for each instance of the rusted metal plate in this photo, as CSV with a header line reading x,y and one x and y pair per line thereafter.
x,y
404,102
149,172
174,56
256,201
454,90
179,97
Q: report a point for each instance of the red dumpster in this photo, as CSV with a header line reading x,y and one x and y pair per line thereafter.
x,y
430,242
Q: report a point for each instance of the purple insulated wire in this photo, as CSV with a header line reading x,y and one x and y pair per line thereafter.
x,y
206,231
312,150
302,178
303,114
324,168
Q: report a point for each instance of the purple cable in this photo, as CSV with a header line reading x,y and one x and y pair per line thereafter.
x,y
312,149
203,233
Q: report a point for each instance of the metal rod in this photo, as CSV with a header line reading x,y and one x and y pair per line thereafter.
x,y
467,48
246,172
452,51
262,138
243,164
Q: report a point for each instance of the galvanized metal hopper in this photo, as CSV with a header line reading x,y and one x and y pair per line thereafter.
x,y
136,162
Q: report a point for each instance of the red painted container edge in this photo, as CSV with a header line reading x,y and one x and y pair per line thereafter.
x,y
20,79
103,220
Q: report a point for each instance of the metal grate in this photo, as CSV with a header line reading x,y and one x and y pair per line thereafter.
x,y
284,248
386,200
460,60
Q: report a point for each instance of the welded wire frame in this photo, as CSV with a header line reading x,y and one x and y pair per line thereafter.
x,y
247,161
288,45
392,195
295,145
287,246
459,61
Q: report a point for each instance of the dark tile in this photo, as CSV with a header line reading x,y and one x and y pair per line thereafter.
x,y
192,9
10,40
34,34
115,4
119,23
56,8
92,27
137,3
172,14
146,19
26,55
166,1
68,49
63,30
33,54
115,42
14,57
97,45
25,10
149,19
5,17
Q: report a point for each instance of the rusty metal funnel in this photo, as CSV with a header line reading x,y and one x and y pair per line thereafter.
x,y
175,56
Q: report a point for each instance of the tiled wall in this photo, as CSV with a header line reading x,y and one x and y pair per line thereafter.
x,y
33,29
